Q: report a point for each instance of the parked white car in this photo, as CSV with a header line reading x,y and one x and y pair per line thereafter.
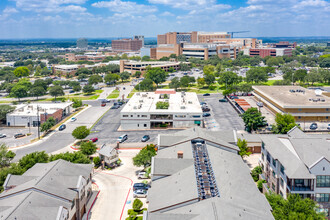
x,y
140,193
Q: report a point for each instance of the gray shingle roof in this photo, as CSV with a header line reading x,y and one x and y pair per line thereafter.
x,y
107,151
26,200
239,196
166,166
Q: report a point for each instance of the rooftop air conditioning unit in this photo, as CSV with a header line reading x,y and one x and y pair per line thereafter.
x,y
190,102
134,107
137,93
141,100
183,107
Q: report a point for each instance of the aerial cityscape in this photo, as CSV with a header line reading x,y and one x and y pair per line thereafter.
x,y
164,110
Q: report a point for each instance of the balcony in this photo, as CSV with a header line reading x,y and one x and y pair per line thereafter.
x,y
161,117
299,187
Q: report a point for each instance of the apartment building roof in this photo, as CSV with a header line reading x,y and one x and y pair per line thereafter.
x,y
108,151
177,196
42,190
297,151
294,96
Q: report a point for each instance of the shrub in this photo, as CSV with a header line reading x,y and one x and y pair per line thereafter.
x,y
137,205
255,173
259,184
162,105
97,161
212,87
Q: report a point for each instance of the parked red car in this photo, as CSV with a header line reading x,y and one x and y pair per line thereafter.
x,y
103,104
94,139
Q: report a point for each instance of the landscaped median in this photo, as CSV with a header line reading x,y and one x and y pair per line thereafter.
x,y
114,94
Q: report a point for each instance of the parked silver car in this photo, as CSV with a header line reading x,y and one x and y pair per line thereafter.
x,y
140,193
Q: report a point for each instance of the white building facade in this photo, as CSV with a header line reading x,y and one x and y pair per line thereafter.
x,y
140,112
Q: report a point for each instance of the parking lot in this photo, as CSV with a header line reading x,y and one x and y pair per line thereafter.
x,y
223,116
11,141
194,72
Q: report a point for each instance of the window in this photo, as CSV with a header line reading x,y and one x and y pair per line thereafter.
x,y
145,125
73,203
268,157
273,186
322,197
262,156
196,116
144,116
138,125
131,116
274,162
263,145
262,166
273,173
281,193
282,169
125,116
281,182
322,181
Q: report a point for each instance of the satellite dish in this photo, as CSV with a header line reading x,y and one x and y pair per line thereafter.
x,y
318,92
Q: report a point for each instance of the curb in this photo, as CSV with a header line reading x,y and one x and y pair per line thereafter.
x,y
94,200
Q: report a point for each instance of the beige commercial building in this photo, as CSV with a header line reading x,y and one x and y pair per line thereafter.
x,y
306,105
133,66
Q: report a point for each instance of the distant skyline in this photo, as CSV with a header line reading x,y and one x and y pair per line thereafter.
x,y
24,19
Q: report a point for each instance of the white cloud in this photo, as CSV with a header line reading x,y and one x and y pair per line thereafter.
x,y
166,13
125,7
9,10
51,6
201,5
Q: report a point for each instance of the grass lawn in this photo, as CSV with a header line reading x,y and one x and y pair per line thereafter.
x,y
114,94
131,93
98,91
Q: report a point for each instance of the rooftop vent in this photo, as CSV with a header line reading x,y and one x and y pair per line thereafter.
x,y
141,100
180,154
183,107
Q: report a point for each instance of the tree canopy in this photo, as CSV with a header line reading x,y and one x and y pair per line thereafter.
x,y
21,71
156,74
56,91
253,119
284,123
243,149
80,132
294,207
143,158
88,148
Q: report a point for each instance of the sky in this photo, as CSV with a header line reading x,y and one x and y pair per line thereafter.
x,y
124,18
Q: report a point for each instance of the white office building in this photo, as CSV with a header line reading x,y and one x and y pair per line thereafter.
x,y
141,112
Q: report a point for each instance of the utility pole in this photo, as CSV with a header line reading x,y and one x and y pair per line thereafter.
x,y
38,121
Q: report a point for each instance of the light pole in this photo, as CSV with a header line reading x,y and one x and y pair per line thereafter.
x,y
38,121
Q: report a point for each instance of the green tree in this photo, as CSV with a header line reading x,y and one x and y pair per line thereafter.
x,y
56,91
200,82
76,103
243,149
124,76
325,63
97,161
37,91
313,76
157,75
209,79
21,71
76,88
253,119
284,123
29,160
137,74
75,157
5,156
137,205
294,207
4,110
145,85
228,78
40,83
185,81
175,83
95,79
48,124
272,61
143,158
111,78
88,89
300,75
19,91
145,58
256,75
184,67
171,69
83,71
80,132
209,69
255,173
88,148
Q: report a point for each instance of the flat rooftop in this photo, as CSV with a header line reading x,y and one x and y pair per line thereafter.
x,y
179,102
300,98
31,109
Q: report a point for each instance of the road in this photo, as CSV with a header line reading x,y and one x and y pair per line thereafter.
x,y
61,139
115,186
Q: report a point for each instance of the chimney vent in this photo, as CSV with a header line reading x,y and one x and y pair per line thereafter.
x,y
180,154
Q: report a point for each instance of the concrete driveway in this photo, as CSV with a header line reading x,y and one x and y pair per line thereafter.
x,y
115,186
10,141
